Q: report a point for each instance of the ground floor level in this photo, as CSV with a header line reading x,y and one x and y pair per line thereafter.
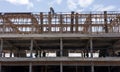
x,y
57,68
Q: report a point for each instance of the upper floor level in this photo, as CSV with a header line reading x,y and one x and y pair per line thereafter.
x,y
74,22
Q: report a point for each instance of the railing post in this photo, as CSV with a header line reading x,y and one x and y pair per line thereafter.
x,y
31,47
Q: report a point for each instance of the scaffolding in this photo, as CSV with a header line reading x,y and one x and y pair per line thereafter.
x,y
60,42
38,23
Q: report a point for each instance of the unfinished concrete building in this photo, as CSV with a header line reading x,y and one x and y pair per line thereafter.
x,y
60,42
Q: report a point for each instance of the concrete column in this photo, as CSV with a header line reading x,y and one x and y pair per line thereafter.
x,y
61,23
92,68
90,24
72,21
109,69
91,47
41,21
0,68
45,68
1,47
76,68
30,67
61,54
105,22
76,22
31,47
49,22
61,47
91,51
61,67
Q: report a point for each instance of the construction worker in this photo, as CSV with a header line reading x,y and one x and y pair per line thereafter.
x,y
44,53
52,10
36,54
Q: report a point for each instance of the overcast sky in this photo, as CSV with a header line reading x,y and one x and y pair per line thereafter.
x,y
58,5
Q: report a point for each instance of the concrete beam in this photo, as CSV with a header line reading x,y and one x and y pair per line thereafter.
x,y
113,35
108,61
58,59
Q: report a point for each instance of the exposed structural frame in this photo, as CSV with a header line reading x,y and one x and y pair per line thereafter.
x,y
61,63
35,34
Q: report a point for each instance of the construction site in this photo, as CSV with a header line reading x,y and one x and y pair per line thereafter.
x,y
60,42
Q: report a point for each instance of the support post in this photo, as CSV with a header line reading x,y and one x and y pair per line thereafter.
x,y
92,68
41,21
76,68
91,47
49,22
76,22
61,23
45,68
61,47
72,21
109,69
0,68
1,47
30,67
61,67
90,24
31,47
91,51
105,22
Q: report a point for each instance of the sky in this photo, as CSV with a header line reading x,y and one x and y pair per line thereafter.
x,y
58,5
